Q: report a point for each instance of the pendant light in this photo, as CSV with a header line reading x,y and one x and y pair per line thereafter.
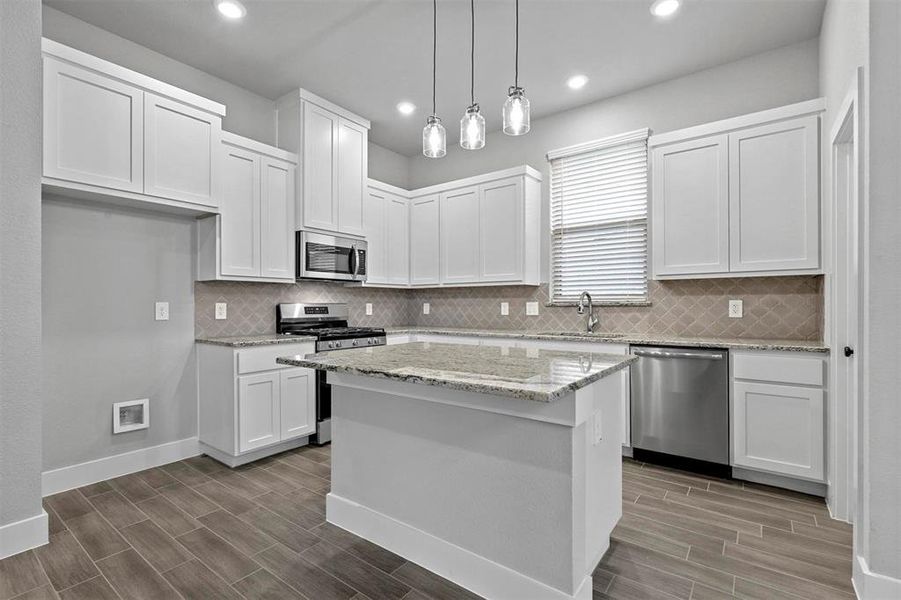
x,y
434,138
472,125
516,108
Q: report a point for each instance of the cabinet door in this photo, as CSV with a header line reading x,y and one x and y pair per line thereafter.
x,y
398,240
501,231
375,207
258,410
352,172
277,218
459,256
298,403
320,145
424,241
778,428
690,220
93,130
240,213
774,194
179,145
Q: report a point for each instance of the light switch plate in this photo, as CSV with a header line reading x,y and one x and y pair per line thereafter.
x,y
531,308
369,308
426,308
505,309
161,310
736,309
221,311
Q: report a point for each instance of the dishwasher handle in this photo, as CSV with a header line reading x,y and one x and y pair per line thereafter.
x,y
671,354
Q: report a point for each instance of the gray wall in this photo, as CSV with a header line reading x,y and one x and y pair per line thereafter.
x,y
103,269
249,114
388,166
20,261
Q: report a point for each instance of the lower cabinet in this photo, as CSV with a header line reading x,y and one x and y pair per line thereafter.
x,y
778,414
250,406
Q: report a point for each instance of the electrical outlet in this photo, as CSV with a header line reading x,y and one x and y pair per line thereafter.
x,y
369,309
221,311
161,311
505,309
531,309
426,308
736,309
598,429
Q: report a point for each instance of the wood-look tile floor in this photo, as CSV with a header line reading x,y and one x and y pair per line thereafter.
x,y
197,530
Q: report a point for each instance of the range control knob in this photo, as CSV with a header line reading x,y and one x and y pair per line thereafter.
x,y
355,342
331,344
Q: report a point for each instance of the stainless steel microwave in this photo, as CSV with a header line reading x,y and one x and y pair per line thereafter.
x,y
322,256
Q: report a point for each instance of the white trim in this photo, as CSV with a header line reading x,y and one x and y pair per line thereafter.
x,y
799,109
607,142
467,569
814,488
522,170
295,96
732,274
873,586
101,469
233,139
242,459
146,202
109,69
23,535
387,187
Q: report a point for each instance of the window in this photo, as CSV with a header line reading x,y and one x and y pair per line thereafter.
x,y
599,220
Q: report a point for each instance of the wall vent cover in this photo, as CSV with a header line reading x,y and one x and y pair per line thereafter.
x,y
131,415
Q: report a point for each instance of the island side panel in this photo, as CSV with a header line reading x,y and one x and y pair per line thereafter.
x,y
498,486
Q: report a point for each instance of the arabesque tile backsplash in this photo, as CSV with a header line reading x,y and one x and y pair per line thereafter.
x,y
788,308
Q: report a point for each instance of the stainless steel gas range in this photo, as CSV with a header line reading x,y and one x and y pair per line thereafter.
x,y
328,324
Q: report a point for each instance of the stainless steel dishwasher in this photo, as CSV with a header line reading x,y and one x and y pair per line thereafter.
x,y
680,408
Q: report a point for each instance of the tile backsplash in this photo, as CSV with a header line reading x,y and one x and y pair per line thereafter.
x,y
774,308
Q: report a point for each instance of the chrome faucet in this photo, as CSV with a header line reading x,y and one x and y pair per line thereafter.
x,y
592,320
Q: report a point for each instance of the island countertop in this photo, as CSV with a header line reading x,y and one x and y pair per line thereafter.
x,y
527,373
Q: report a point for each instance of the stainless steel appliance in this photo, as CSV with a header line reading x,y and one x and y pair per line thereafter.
x,y
321,256
680,408
328,324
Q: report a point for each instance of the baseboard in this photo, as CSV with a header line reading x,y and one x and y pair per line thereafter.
x,y
813,488
74,476
873,586
471,571
236,461
23,535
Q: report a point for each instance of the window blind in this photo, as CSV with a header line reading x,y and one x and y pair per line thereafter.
x,y
599,219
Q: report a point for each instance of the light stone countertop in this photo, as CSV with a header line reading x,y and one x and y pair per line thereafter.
x,y
527,373
247,341
625,338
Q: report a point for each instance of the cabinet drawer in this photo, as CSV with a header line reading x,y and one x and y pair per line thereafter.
x,y
263,359
779,369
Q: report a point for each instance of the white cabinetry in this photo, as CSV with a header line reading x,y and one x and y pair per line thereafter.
x,y
333,148
250,406
386,221
425,241
778,416
252,239
111,133
398,241
738,197
459,217
501,209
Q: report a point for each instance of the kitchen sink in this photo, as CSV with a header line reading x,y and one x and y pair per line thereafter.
x,y
593,334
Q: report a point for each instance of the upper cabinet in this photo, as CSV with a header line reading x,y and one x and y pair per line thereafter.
x,y
483,230
333,146
112,133
252,238
738,197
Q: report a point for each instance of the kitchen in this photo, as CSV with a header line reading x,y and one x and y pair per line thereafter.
x,y
245,207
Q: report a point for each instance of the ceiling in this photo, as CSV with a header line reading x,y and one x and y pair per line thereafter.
x,y
367,55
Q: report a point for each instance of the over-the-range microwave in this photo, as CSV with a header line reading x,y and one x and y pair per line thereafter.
x,y
323,256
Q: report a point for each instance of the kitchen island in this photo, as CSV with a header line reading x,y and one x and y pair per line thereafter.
x,y
497,468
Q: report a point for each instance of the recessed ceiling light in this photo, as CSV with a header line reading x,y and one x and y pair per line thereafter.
x,y
577,82
230,9
406,108
665,8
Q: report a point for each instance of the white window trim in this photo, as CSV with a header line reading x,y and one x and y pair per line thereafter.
x,y
586,147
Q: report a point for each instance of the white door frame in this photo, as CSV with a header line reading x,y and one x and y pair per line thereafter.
x,y
844,306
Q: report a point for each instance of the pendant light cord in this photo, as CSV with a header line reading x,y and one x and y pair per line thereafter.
x,y
434,52
472,52
516,68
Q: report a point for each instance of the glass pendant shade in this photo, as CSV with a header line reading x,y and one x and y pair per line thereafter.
x,y
472,129
434,138
516,112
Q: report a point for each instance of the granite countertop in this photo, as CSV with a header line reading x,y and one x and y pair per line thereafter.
x,y
527,373
247,341
626,338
